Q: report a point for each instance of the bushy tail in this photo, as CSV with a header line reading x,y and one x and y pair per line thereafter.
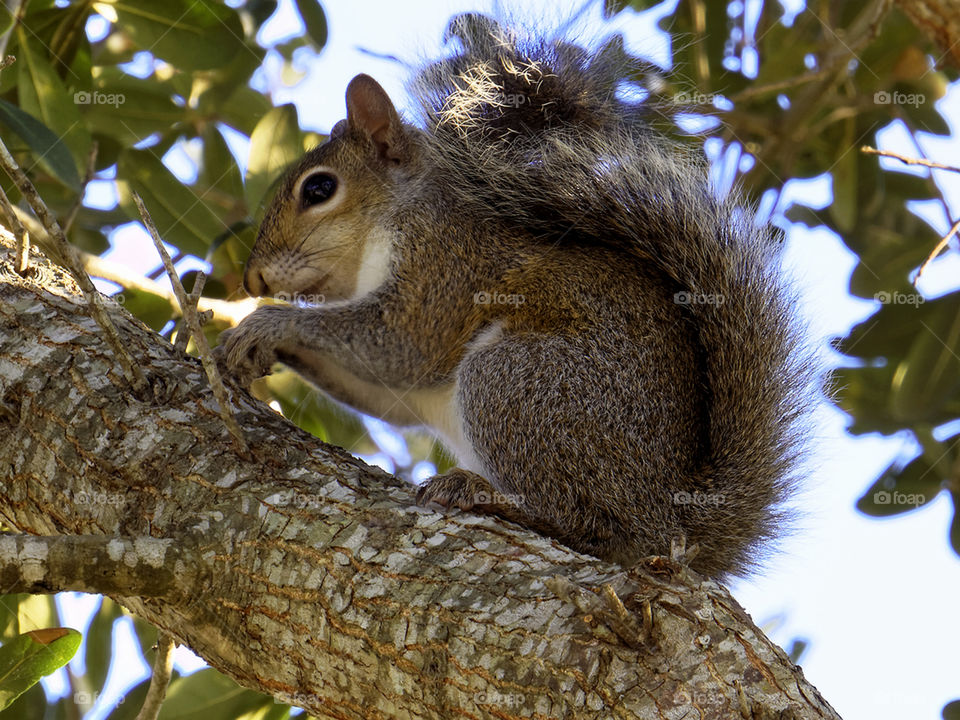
x,y
547,121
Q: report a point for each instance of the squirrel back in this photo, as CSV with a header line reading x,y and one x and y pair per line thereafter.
x,y
533,130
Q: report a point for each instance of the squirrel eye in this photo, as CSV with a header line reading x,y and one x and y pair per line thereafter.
x,y
317,188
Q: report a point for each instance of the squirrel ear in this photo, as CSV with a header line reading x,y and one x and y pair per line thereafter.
x,y
369,109
337,130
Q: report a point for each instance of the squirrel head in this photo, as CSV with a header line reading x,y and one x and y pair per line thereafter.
x,y
326,234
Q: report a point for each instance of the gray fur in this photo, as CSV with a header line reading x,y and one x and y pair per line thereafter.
x,y
611,414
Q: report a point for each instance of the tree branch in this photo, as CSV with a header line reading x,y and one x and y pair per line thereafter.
x,y
145,566
314,578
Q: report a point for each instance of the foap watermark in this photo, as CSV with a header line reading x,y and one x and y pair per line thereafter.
x,y
296,699
685,297
301,298
695,98
492,697
700,699
884,497
899,298
118,298
497,498
89,699
95,97
510,99
98,498
884,97
301,501
497,298
682,497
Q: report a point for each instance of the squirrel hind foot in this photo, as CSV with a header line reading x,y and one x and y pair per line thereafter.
x,y
457,488
467,490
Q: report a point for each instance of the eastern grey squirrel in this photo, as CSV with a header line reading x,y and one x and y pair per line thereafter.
x,y
608,346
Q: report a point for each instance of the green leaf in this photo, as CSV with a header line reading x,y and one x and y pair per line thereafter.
x,y
929,375
899,490
220,174
37,611
315,20
133,699
153,310
31,656
6,18
863,393
98,650
208,694
68,46
92,241
274,145
181,217
260,10
844,208
797,648
41,92
130,109
146,635
31,705
9,614
243,109
189,35
48,149
890,331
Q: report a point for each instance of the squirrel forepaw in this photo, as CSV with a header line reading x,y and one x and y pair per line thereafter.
x,y
249,350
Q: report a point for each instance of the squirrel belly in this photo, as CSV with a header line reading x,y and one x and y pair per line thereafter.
x,y
610,348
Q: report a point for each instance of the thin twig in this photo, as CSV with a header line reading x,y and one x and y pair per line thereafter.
x,y
933,166
909,160
19,233
160,680
776,87
193,322
87,177
936,251
131,371
193,298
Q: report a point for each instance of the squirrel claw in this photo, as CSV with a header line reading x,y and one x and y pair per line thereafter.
x,y
249,350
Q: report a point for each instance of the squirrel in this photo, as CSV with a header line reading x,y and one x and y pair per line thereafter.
x,y
610,348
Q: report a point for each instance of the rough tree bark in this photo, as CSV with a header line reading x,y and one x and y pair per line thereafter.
x,y
303,573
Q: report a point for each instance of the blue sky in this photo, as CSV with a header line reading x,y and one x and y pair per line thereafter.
x,y
875,599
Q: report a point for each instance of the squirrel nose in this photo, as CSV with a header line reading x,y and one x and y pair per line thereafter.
x,y
254,282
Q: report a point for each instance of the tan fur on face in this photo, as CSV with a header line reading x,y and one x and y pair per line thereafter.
x,y
336,250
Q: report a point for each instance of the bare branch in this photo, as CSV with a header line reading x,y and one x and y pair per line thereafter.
x,y
193,299
936,251
19,234
145,566
193,322
162,669
87,177
909,160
